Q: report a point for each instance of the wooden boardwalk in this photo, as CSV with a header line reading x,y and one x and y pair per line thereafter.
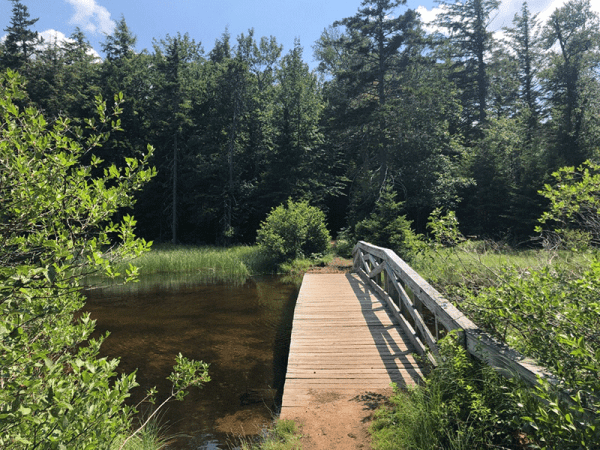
x,y
343,340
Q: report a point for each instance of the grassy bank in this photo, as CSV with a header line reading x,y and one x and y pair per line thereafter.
x,y
283,436
462,405
219,265
208,265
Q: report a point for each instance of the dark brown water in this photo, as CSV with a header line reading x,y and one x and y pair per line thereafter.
x,y
243,332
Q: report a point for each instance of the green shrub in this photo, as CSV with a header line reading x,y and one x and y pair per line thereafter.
x,y
345,243
295,230
463,405
386,227
553,316
572,220
56,392
444,229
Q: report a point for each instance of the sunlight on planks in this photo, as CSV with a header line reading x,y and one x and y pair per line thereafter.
x,y
343,340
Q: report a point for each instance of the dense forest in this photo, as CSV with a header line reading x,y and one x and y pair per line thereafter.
x,y
455,118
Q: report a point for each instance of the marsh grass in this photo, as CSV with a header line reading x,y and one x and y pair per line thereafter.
x,y
480,264
294,270
466,405
282,436
462,405
153,436
209,265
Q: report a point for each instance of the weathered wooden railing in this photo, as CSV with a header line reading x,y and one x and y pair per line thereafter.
x,y
426,316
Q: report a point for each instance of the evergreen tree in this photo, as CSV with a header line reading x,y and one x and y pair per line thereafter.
x,y
177,83
125,71
64,79
469,47
236,136
379,46
524,39
573,30
120,45
21,40
295,167
503,91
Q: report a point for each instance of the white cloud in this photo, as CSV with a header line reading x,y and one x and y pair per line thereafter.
x,y
427,17
53,36
507,10
91,17
50,36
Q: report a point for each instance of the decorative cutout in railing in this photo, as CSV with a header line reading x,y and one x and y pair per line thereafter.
x,y
426,316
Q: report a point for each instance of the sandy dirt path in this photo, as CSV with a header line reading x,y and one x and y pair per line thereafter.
x,y
338,420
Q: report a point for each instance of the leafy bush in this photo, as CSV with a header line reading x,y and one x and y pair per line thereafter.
x,y
574,210
464,404
295,230
345,243
444,229
554,317
55,227
386,227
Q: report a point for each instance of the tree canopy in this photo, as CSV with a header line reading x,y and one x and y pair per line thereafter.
x,y
243,126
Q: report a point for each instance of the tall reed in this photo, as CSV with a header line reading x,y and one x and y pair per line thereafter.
x,y
209,265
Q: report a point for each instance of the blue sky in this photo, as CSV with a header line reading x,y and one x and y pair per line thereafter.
x,y
206,20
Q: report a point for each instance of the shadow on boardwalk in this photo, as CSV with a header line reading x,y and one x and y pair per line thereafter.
x,y
395,354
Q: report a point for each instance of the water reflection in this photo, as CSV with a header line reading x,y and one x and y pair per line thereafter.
x,y
243,332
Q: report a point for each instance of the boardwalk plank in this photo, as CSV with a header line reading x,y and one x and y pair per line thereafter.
x,y
344,340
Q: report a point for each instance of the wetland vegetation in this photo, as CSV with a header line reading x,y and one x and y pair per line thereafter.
x,y
396,125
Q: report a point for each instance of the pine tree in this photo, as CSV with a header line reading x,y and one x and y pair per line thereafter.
x,y
21,41
470,45
574,31
121,43
378,45
524,40
295,166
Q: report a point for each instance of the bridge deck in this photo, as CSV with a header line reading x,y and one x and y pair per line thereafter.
x,y
343,340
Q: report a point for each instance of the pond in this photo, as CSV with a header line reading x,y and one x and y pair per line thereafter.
x,y
243,332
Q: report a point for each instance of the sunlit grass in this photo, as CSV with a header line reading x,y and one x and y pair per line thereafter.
x,y
153,436
283,436
294,270
207,265
479,264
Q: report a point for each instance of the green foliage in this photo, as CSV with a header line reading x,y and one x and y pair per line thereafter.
x,y
293,271
386,227
574,210
186,373
566,313
548,309
56,227
444,228
572,40
467,23
283,436
293,231
152,436
344,243
210,265
20,42
463,404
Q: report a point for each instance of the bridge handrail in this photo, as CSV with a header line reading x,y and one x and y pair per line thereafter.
x,y
426,316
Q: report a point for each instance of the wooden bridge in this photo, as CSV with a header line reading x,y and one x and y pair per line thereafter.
x,y
359,332
343,340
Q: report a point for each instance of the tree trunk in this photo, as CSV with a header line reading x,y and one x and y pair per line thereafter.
x,y
174,225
